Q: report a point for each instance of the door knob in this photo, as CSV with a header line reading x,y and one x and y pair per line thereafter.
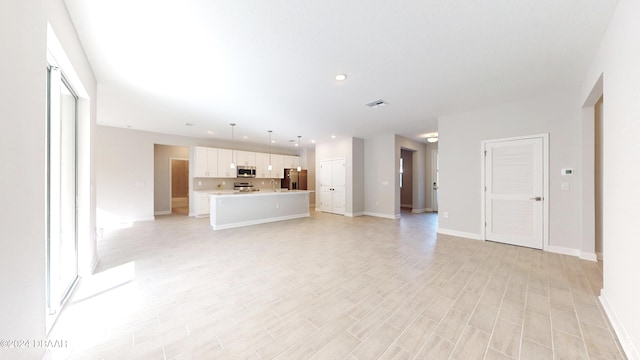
x,y
537,198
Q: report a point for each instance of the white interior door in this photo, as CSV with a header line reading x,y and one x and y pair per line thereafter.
x,y
339,179
332,186
514,194
435,176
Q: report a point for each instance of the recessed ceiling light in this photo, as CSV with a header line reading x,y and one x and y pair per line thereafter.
x,y
210,132
245,137
313,141
341,77
273,141
333,136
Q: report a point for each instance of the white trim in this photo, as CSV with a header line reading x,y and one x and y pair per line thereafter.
x,y
142,219
259,221
359,213
545,185
406,205
420,211
562,250
599,256
94,264
626,341
162,212
381,215
588,256
462,234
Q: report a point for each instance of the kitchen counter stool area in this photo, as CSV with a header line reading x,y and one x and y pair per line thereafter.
x,y
242,209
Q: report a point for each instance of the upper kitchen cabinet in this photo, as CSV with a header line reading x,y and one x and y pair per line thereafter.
x,y
206,162
225,158
246,158
277,161
262,166
291,162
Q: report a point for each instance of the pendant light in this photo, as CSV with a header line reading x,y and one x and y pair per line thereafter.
x,y
299,167
269,167
232,165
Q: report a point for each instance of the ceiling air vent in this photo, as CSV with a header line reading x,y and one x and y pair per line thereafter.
x,y
376,103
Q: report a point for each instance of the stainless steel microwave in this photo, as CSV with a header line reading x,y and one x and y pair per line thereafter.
x,y
246,171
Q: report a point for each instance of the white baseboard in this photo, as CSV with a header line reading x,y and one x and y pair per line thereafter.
x,y
419,211
599,256
360,213
406,205
380,215
149,218
259,221
630,349
562,250
588,256
463,234
162,212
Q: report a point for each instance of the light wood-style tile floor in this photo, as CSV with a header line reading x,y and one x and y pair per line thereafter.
x,y
331,287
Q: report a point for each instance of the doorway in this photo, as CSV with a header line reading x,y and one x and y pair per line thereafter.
x,y
515,192
406,179
598,166
179,186
61,191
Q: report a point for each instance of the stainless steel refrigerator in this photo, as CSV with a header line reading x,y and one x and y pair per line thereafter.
x,y
294,179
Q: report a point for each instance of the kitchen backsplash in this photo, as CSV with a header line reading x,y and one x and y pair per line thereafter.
x,y
201,184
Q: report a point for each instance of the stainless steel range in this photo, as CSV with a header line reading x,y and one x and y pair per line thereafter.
x,y
244,187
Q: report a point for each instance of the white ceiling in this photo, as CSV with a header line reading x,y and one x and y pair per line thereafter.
x,y
271,64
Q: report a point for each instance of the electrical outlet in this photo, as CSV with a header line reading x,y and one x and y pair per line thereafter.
x,y
445,214
224,183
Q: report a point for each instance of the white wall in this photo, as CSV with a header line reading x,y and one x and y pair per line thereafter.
x,y
461,159
380,182
23,43
618,60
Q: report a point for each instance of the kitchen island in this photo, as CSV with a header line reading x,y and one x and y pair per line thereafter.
x,y
250,208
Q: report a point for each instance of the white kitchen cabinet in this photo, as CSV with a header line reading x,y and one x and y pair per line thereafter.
x,y
277,161
206,162
332,186
291,162
225,157
202,204
246,158
262,166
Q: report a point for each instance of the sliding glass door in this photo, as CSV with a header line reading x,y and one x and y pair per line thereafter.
x,y
62,239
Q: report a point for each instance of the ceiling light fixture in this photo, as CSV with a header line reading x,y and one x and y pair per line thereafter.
x,y
333,136
299,167
269,167
432,139
232,165
341,77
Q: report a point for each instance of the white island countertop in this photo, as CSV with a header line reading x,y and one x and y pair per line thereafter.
x,y
230,210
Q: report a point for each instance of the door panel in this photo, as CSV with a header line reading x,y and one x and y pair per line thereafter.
x,y
62,245
514,194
